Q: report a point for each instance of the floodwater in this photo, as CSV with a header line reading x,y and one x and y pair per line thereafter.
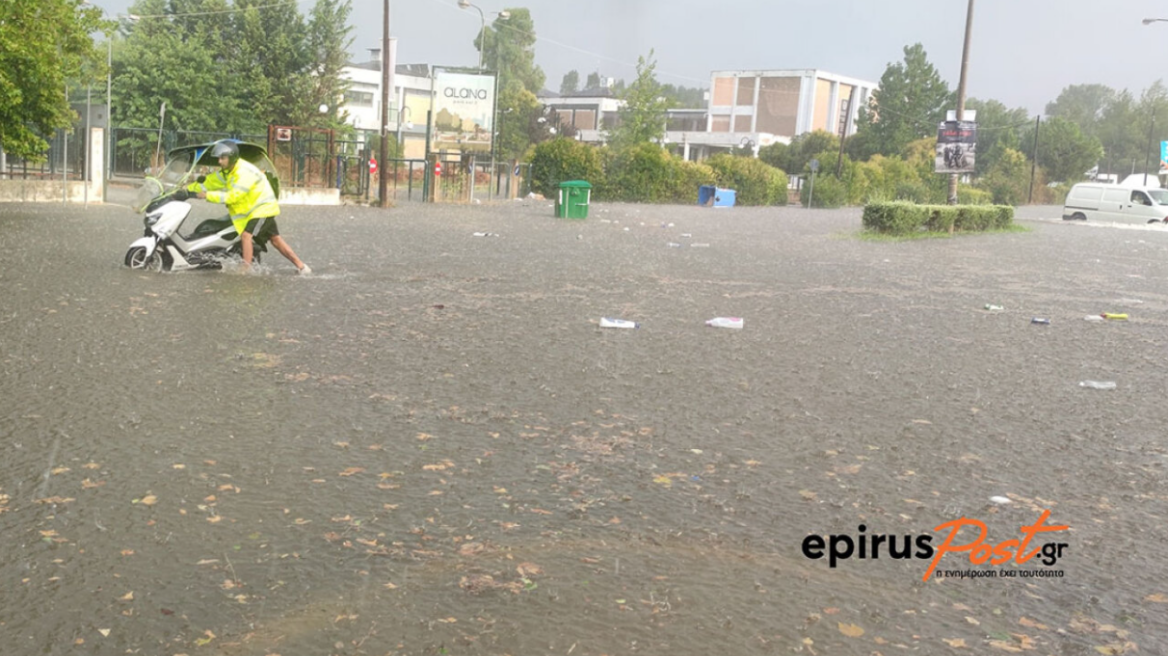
x,y
430,447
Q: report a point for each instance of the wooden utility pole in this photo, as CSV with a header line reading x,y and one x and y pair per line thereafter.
x,y
953,177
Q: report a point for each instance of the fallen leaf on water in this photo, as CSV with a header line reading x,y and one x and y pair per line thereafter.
x,y
351,471
60,470
528,570
390,586
215,519
448,620
127,552
830,611
1004,646
850,630
922,421
1024,621
663,480
104,632
149,500
55,500
962,607
500,490
1117,648
972,621
178,466
1157,599
957,643
471,548
91,465
752,463
129,596
807,495
203,641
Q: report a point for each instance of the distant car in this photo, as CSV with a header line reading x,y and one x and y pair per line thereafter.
x,y
1118,203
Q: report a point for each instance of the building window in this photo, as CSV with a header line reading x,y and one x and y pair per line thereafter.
x,y
358,98
742,123
720,124
723,91
746,91
585,119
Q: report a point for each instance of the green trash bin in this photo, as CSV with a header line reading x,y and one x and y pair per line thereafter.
x,y
574,198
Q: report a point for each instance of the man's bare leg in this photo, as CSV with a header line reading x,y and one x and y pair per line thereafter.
x,y
286,251
247,251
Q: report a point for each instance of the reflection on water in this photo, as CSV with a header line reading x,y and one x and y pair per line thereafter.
x,y
429,447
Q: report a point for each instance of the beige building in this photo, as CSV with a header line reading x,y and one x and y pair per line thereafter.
x,y
785,103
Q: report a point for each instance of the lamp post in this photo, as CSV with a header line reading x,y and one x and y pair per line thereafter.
x,y
466,4
382,180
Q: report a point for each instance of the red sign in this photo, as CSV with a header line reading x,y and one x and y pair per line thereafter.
x,y
437,168
372,166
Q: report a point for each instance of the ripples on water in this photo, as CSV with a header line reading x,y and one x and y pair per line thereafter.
x,y
429,447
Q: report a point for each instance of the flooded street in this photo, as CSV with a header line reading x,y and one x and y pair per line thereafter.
x,y
430,447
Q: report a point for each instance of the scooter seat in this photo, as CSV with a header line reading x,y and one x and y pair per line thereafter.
x,y
210,227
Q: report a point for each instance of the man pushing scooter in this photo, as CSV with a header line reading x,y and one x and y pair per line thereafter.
x,y
250,201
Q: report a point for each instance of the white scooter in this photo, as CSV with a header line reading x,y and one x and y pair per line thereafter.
x,y
165,246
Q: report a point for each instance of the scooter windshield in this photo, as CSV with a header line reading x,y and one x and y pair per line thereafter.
x,y
176,173
150,189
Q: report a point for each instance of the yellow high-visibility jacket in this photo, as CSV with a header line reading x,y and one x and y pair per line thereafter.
x,y
246,191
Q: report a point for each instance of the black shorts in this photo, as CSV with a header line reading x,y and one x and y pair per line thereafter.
x,y
262,229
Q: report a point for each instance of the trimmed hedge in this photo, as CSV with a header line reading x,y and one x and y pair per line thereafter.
x,y
755,182
900,218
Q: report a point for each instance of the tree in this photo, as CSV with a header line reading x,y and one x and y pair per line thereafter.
x,y
43,43
510,44
998,128
329,38
570,83
593,81
684,97
1008,180
1082,104
909,104
1064,151
642,118
776,154
810,145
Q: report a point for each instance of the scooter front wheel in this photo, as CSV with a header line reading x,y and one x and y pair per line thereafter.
x,y
136,258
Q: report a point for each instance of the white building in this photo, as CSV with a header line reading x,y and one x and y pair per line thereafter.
x,y
745,109
408,104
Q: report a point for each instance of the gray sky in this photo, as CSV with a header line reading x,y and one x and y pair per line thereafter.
x,y
1024,52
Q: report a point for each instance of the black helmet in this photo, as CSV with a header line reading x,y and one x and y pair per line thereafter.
x,y
226,148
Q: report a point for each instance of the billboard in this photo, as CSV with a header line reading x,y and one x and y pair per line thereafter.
x,y
956,146
1163,155
464,112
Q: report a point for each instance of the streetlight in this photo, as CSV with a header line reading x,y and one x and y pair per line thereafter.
x,y
466,4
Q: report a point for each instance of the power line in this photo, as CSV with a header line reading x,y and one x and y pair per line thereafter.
x,y
211,13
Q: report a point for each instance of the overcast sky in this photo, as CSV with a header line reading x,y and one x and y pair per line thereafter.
x,y
1024,52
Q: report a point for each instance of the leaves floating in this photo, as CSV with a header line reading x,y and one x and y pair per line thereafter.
x,y
850,630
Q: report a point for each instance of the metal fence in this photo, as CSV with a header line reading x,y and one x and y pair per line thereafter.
x,y
65,159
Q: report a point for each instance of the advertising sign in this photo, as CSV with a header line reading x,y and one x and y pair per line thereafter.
x,y
464,107
956,146
1163,155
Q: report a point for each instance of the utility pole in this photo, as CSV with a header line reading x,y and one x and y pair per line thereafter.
x,y
382,182
1148,156
961,93
1034,159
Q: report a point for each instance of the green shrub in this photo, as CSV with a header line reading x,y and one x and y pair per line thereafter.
x,y
559,160
828,192
687,177
905,218
641,174
967,195
754,182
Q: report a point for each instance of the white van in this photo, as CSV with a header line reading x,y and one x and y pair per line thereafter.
x,y
1116,203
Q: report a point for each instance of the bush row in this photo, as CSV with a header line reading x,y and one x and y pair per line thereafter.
x,y
646,173
901,218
